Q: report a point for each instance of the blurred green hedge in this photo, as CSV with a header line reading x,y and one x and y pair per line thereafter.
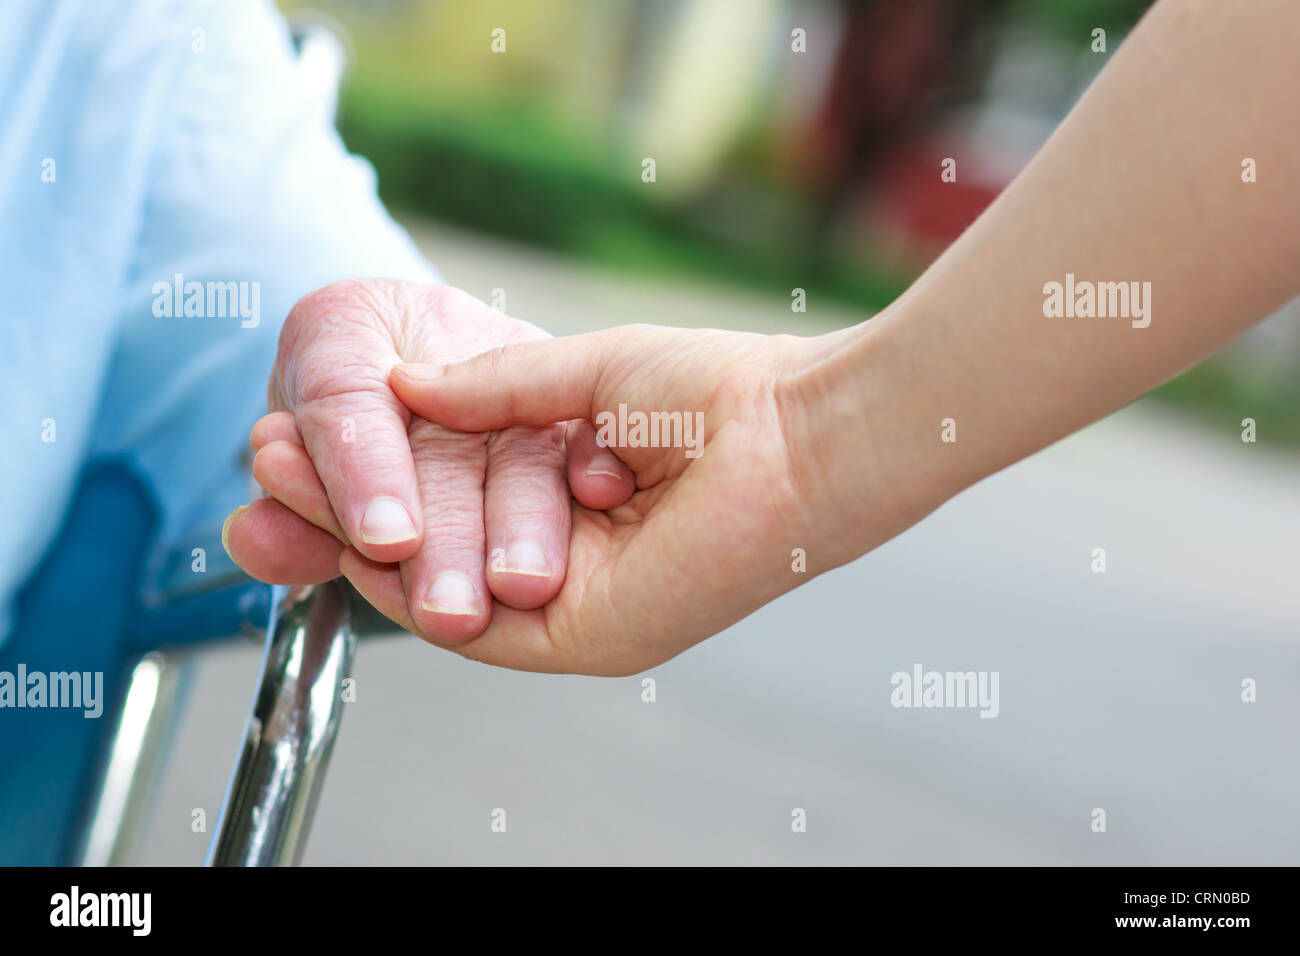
x,y
508,171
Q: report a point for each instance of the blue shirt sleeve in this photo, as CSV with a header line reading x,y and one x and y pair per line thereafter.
x,y
251,201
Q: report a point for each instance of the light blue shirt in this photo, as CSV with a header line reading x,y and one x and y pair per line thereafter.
x,y
146,145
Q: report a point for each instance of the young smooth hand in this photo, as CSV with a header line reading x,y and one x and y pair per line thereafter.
x,y
708,536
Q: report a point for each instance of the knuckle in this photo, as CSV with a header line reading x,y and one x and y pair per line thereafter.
x,y
521,444
321,303
327,372
331,338
433,441
495,360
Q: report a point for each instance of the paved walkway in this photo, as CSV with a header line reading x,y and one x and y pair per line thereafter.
x,y
1118,691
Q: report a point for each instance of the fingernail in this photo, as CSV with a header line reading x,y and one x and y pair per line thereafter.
x,y
225,527
452,593
386,522
605,464
421,373
526,557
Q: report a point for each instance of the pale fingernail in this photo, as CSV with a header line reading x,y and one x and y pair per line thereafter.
x,y
452,593
605,464
526,557
421,373
225,527
386,522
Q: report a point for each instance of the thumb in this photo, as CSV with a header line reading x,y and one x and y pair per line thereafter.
x,y
533,383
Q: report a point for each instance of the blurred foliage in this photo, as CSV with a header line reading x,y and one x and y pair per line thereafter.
x,y
1075,18
1223,392
514,171
519,159
515,162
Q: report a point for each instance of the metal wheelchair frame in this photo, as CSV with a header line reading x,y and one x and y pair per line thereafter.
x,y
268,809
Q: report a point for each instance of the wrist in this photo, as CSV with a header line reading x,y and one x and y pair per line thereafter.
x,y
870,461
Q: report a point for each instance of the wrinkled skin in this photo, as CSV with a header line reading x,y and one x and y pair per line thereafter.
x,y
703,541
337,437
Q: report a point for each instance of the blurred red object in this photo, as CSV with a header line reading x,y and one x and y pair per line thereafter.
x,y
909,197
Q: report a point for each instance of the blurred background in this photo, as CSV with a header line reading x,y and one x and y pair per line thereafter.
x,y
775,169
798,144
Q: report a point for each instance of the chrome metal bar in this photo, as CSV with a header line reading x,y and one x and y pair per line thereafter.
x,y
272,797
135,757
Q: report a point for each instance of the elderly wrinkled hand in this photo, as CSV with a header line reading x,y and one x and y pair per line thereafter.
x,y
464,517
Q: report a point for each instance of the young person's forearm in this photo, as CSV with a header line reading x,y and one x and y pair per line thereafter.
x,y
1142,183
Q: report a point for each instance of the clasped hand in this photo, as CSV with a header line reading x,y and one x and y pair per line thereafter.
x,y
441,457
